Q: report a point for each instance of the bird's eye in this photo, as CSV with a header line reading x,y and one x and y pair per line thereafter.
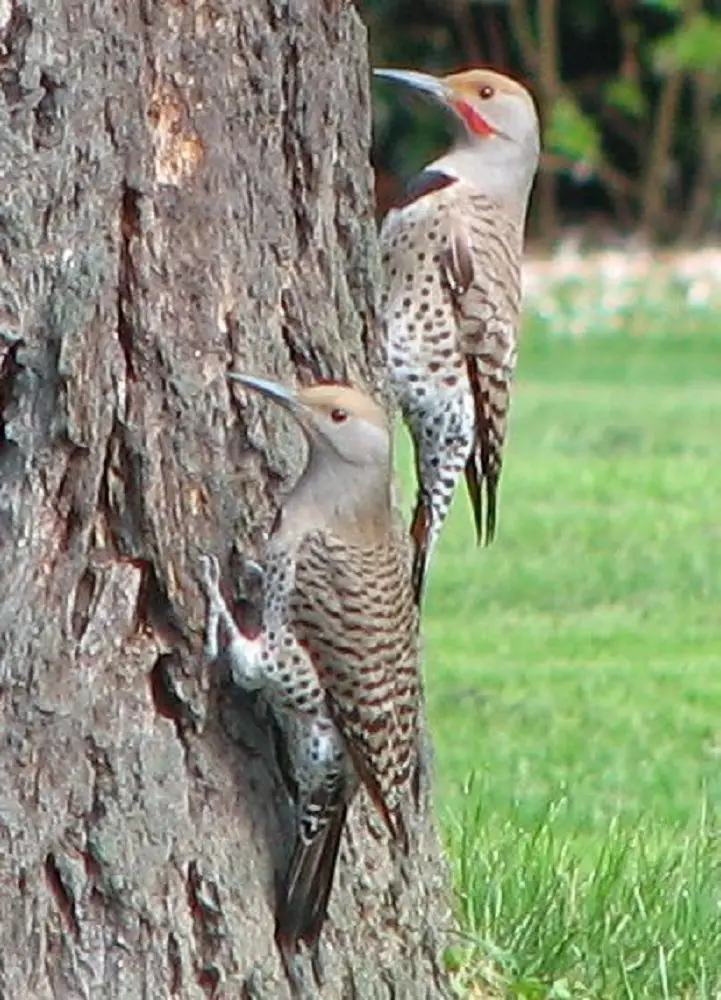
x,y
486,91
338,416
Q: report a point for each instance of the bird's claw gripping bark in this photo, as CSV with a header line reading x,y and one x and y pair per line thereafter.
x,y
253,571
243,653
210,573
210,581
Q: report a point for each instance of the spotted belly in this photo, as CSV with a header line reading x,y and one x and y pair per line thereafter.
x,y
424,358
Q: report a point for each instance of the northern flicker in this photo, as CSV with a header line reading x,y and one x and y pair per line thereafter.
x,y
338,648
451,296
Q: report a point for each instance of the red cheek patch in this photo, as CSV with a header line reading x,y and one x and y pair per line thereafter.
x,y
475,122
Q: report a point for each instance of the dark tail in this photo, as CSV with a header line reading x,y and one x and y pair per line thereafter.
x,y
420,530
479,471
303,895
475,494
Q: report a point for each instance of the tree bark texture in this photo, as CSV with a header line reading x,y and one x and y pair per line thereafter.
x,y
184,189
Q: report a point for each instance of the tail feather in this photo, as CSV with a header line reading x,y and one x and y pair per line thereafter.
x,y
479,467
303,896
491,506
475,495
420,531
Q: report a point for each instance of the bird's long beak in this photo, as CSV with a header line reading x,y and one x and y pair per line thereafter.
x,y
287,398
424,82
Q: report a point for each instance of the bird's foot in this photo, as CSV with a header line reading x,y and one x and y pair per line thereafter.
x,y
244,654
217,608
253,572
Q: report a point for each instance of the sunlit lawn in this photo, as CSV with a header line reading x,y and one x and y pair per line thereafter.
x,y
576,666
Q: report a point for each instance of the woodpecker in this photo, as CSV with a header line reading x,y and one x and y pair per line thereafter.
x,y
451,297
338,652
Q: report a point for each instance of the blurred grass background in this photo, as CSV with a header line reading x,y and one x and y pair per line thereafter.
x,y
602,595
574,669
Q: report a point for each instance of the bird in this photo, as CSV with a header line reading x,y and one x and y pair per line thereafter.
x,y
338,648
451,297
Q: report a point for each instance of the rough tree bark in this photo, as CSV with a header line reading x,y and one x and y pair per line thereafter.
x,y
184,188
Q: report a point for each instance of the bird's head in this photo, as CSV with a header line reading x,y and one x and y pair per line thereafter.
x,y
338,420
490,107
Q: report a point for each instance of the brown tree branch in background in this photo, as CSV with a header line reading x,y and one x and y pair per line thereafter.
x,y
630,68
550,85
655,187
590,88
523,32
708,130
496,41
466,32
621,189
544,61
625,128
541,61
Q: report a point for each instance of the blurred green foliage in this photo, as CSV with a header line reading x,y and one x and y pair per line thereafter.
x,y
630,102
694,46
572,133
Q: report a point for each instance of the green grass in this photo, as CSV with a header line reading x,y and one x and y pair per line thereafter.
x,y
575,668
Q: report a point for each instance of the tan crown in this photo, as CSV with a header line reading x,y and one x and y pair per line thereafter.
x,y
469,83
327,397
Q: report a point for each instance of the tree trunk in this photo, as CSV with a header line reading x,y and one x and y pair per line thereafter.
x,y
184,188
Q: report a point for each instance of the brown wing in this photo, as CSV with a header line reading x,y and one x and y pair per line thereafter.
x,y
353,610
482,270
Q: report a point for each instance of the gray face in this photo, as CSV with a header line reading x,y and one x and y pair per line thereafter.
x,y
353,439
513,118
482,96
